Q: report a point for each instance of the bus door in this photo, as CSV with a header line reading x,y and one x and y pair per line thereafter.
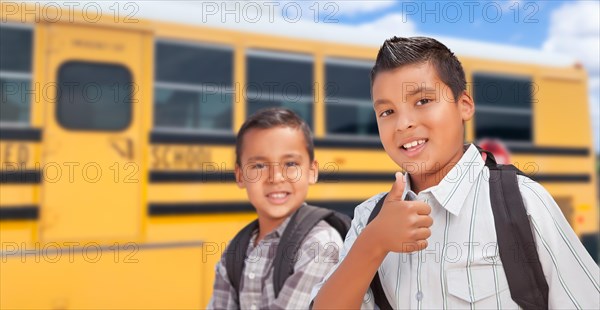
x,y
91,159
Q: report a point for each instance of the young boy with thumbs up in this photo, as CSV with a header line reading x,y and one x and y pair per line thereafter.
x,y
433,244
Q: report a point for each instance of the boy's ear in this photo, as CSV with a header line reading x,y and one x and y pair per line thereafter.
x,y
466,106
239,177
313,172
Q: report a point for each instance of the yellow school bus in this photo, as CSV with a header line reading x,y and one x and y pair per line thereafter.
x,y
117,141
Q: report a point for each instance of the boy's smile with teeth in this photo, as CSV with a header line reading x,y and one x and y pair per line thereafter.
x,y
278,195
413,144
278,198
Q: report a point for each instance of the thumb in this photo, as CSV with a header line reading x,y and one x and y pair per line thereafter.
x,y
398,187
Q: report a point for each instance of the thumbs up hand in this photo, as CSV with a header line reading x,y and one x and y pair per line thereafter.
x,y
398,187
401,226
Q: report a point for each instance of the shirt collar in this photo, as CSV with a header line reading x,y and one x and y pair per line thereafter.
x,y
408,193
278,232
452,191
275,234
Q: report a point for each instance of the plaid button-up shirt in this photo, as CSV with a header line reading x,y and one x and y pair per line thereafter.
x,y
317,255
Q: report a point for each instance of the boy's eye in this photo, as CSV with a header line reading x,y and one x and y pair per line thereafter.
x,y
423,101
385,113
291,164
258,166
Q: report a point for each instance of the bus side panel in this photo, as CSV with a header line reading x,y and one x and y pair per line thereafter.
x,y
130,276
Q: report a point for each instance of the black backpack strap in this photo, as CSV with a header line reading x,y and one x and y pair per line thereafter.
x,y
376,209
300,224
526,281
376,288
490,160
235,255
340,222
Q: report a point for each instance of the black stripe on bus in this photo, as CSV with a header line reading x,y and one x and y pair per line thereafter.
x,y
228,177
356,177
29,212
224,139
20,134
186,176
333,143
195,138
162,209
561,178
175,209
21,177
337,143
548,150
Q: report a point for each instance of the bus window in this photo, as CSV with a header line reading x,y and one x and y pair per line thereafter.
x,y
503,107
94,96
15,74
348,98
280,80
193,88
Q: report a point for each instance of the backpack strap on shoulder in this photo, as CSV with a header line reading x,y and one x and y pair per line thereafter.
x,y
517,248
235,255
490,160
376,209
376,288
300,224
340,222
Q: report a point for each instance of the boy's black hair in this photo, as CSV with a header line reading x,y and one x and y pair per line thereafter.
x,y
397,52
270,118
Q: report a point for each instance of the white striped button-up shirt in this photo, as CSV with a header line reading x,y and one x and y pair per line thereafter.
x,y
461,267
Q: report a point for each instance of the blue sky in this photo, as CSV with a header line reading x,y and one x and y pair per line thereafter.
x,y
523,23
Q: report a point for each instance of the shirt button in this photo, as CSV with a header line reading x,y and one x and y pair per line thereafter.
x,y
419,296
251,276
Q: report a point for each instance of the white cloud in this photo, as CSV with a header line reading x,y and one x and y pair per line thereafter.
x,y
390,25
334,9
575,31
510,4
576,18
355,7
